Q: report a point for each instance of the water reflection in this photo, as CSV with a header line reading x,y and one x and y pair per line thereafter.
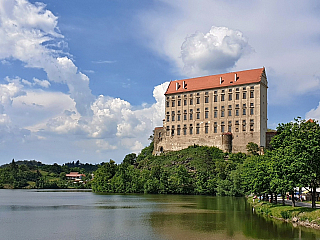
x,y
84,215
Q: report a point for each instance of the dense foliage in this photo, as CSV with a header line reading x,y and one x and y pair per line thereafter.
x,y
293,161
34,174
195,170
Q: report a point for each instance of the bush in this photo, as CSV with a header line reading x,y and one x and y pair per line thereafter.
x,y
286,214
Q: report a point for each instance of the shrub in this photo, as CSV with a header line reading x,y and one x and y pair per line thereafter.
x,y
285,214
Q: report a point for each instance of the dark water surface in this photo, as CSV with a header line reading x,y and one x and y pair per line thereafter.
x,y
30,214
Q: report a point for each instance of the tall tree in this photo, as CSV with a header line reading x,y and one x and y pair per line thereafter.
x,y
297,151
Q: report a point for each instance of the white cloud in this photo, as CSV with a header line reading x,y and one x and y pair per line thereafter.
x,y
216,51
282,35
5,62
41,83
314,113
25,32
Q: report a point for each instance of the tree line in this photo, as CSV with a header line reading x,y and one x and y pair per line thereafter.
x,y
34,174
292,161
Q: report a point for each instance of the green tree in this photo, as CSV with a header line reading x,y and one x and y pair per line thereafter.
x,y
253,148
296,148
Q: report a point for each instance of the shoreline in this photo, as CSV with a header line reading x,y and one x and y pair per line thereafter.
x,y
297,216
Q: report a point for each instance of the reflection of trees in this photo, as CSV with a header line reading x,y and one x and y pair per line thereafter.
x,y
218,218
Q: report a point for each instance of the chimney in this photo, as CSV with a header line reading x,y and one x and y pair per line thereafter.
x,y
183,84
235,77
177,86
220,80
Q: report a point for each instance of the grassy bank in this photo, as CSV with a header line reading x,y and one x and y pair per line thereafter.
x,y
304,216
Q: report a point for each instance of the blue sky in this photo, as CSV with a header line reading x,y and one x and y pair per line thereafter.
x,y
85,79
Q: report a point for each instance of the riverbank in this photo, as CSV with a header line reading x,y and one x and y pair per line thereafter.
x,y
303,216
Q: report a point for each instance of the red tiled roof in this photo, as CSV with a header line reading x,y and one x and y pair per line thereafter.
x,y
213,81
75,174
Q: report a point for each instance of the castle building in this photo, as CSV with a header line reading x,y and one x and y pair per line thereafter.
x,y
226,111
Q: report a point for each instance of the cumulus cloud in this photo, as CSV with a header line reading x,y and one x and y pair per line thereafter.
x,y
213,52
28,32
314,113
41,83
283,39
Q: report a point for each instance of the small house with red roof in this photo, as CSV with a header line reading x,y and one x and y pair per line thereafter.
x,y
76,176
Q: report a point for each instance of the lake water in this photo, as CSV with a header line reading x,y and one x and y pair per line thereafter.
x,y
31,214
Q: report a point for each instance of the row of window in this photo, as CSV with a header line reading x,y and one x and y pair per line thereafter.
x,y
206,113
223,128
206,98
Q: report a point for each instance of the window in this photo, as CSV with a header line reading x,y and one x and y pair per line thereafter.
x,y
184,102
237,96
185,115
178,130
206,114
251,94
230,97
222,127
173,103
237,125
244,88
198,128
222,97
191,101
215,98
198,100
191,114
198,115
179,102
222,91
244,95
222,111
206,128
179,117
168,118
215,113
172,115
229,126
215,127
244,125
206,99
237,89
172,130
168,130
237,112
191,129
251,111
184,129
229,113
230,90
215,92
244,111
167,103
251,125
206,93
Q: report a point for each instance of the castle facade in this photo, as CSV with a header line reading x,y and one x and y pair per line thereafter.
x,y
226,111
